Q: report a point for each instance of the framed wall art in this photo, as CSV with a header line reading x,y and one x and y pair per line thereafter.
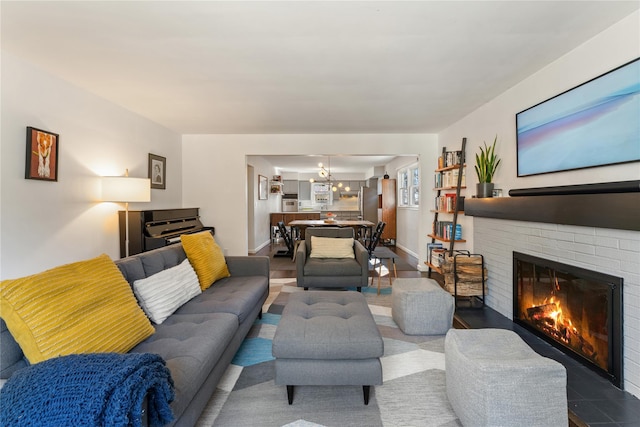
x,y
158,171
42,154
262,187
593,124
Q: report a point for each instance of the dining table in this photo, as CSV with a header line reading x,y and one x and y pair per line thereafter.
x,y
358,225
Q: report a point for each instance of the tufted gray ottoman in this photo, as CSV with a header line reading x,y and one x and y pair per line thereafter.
x,y
421,307
327,338
495,379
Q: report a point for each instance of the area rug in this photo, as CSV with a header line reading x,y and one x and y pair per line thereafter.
x,y
413,391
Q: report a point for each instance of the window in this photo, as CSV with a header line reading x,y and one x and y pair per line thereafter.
x,y
409,186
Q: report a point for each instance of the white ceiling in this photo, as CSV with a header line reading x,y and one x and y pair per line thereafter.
x,y
337,164
300,66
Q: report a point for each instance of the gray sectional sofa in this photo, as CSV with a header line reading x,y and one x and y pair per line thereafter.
x,y
199,340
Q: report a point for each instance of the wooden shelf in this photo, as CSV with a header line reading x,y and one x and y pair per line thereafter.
x,y
453,174
433,236
449,188
433,267
449,168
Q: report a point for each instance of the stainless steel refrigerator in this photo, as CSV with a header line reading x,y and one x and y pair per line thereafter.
x,y
369,201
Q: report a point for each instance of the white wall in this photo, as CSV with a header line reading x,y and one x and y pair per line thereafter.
x,y
215,175
611,251
407,218
261,208
615,46
44,224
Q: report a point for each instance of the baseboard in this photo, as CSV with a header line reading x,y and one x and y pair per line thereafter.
x,y
256,250
410,252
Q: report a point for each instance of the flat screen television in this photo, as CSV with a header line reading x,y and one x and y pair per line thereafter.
x,y
594,124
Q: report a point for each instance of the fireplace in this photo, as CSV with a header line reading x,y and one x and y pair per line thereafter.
x,y
578,311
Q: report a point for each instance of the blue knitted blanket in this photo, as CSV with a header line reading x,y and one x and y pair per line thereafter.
x,y
102,389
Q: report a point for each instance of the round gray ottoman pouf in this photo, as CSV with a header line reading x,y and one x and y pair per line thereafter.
x,y
421,307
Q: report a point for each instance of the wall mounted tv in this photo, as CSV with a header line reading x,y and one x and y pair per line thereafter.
x,y
594,124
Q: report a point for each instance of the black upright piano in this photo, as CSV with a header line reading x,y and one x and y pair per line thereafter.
x,y
157,228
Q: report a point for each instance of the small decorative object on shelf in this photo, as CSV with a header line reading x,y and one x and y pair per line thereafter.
x,y
276,185
486,164
275,189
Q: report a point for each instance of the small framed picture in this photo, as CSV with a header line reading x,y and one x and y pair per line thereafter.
x,y
262,187
497,192
42,155
158,171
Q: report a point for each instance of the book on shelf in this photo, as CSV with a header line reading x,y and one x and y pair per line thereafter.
x,y
449,179
449,158
438,256
430,248
452,158
444,230
446,179
446,202
454,178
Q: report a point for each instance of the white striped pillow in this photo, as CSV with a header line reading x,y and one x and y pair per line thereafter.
x,y
165,292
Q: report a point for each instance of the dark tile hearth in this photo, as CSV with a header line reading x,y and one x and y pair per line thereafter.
x,y
593,401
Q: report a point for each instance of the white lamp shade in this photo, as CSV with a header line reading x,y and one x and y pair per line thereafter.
x,y
126,189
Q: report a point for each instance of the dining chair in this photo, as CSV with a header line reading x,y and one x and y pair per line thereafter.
x,y
380,254
288,241
372,241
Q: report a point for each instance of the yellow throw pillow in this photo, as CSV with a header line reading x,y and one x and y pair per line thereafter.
x,y
331,247
206,257
84,307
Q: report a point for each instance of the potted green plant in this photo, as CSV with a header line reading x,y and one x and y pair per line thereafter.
x,y
486,164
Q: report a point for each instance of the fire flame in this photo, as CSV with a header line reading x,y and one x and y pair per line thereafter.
x,y
555,324
555,315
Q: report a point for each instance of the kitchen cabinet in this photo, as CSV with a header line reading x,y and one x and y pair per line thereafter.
x,y
304,190
290,186
387,207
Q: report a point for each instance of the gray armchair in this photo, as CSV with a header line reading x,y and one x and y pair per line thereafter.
x,y
331,272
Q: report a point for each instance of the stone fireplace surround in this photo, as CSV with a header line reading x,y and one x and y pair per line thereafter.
x,y
577,238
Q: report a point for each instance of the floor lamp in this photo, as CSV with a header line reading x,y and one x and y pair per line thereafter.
x,y
126,189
